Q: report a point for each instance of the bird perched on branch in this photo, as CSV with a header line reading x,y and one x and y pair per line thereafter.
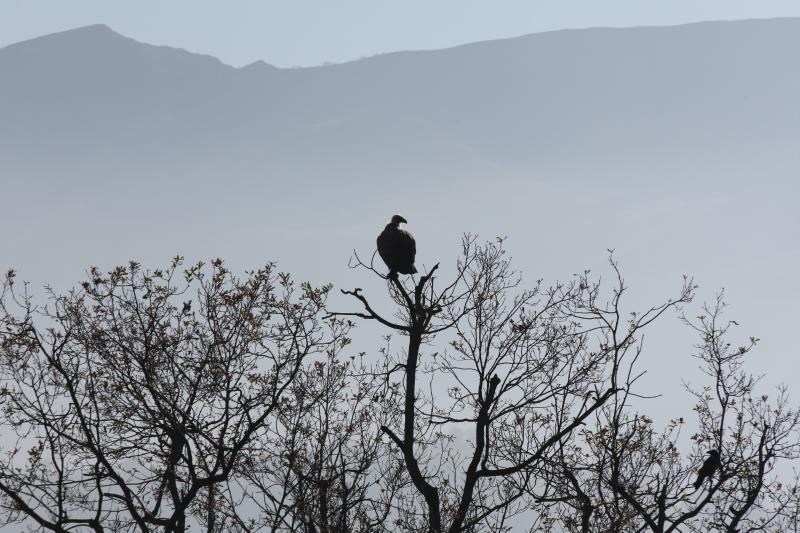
x,y
397,248
493,383
710,466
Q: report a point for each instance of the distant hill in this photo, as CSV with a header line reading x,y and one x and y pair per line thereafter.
x,y
528,106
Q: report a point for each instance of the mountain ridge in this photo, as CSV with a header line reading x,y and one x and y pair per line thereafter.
x,y
100,29
525,105
98,32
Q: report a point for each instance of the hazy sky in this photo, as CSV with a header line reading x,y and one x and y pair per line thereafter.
x,y
303,32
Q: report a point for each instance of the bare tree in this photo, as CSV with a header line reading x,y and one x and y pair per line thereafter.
x,y
627,475
163,400
525,368
134,397
321,466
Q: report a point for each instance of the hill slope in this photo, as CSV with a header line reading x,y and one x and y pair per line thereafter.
x,y
526,106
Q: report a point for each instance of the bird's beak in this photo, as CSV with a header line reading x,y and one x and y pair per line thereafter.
x,y
404,221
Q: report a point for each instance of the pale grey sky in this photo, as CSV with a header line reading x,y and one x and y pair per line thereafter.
x,y
304,32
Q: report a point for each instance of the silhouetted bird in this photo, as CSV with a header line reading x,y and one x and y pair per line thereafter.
x,y
707,470
397,248
493,383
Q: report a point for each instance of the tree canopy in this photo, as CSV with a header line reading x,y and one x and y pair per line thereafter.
x,y
190,397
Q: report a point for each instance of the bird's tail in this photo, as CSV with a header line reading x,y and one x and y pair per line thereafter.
x,y
698,482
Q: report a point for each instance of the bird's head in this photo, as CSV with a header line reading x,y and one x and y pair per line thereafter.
x,y
397,220
713,453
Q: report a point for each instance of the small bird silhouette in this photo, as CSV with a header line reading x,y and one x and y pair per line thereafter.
x,y
397,248
493,383
710,466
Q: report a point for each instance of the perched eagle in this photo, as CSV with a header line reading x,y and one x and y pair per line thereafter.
x,y
397,248
707,470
